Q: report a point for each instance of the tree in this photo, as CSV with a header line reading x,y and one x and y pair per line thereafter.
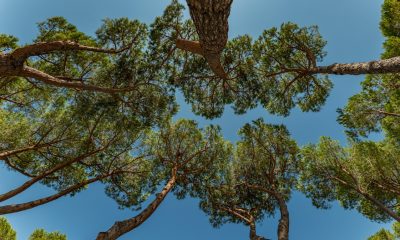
x,y
182,157
6,231
384,234
377,106
41,234
211,21
364,175
280,70
258,182
67,139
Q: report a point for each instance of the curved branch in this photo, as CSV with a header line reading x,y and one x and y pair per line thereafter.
x,y
122,227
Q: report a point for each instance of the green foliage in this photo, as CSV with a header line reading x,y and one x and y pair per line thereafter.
x,y
384,234
6,231
390,18
265,157
360,176
272,71
375,107
41,234
195,153
8,42
99,129
283,57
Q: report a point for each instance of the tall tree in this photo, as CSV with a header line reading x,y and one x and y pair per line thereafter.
x,y
365,174
281,69
182,157
259,181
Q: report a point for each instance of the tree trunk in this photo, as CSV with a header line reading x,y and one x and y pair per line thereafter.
x,y
253,232
211,20
283,227
120,228
390,65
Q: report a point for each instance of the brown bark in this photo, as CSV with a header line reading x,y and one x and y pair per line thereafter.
x,y
13,65
122,227
210,18
253,232
283,226
28,205
391,65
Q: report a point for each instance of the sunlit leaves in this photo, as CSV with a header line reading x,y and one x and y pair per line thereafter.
x,y
6,231
7,42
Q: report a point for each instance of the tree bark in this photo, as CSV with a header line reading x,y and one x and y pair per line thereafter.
x,y
283,226
210,18
390,65
253,231
122,227
42,48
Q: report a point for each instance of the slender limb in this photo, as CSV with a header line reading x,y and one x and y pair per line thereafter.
x,y
48,79
42,48
122,227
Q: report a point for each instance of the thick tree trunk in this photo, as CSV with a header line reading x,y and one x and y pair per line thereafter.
x,y
391,65
120,228
211,20
253,232
283,227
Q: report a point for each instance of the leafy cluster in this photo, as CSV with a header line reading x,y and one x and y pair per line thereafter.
x,y
8,233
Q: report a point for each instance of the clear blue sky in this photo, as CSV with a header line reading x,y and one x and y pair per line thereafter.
x,y
352,30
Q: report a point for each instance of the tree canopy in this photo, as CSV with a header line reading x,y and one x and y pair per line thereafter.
x,y
77,109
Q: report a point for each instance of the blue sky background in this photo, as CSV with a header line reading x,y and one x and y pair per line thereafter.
x,y
351,28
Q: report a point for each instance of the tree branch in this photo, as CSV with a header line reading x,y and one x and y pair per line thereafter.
x,y
48,79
